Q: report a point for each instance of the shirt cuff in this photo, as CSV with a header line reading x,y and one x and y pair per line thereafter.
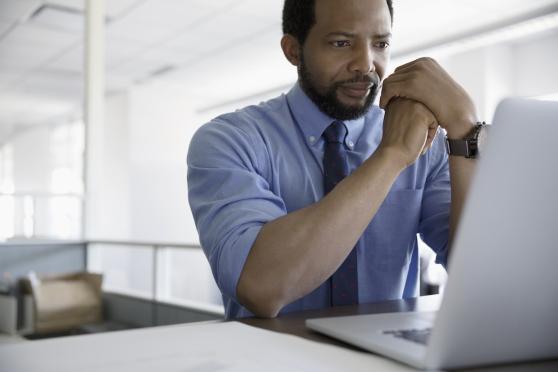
x,y
232,261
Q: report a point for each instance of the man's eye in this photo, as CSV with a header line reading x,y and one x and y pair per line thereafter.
x,y
382,45
341,43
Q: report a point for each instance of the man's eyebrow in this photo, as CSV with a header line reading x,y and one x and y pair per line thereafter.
x,y
384,36
341,33
350,34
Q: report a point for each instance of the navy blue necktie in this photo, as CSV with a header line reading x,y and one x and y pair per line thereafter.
x,y
344,282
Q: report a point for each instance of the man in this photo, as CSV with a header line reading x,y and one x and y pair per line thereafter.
x,y
281,227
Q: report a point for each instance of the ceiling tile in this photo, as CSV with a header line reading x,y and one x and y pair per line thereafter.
x,y
232,26
55,84
193,45
39,37
119,50
131,29
235,73
23,57
4,26
263,12
177,14
70,61
6,79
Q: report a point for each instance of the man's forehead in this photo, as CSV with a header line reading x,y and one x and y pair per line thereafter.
x,y
352,16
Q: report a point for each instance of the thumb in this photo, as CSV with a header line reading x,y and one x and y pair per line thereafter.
x,y
388,93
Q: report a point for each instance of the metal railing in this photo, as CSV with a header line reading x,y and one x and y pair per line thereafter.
x,y
157,248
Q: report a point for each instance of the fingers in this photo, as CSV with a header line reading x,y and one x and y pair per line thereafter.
x,y
420,63
409,79
406,65
399,85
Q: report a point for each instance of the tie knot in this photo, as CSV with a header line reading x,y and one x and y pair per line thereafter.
x,y
336,132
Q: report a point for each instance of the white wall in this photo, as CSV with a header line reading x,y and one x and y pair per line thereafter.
x,y
535,62
32,159
139,192
523,68
163,120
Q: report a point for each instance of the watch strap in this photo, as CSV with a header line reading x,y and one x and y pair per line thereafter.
x,y
466,147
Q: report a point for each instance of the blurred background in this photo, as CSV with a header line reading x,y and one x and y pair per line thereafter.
x,y
105,190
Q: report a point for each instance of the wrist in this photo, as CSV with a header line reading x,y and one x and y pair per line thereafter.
x,y
395,159
459,130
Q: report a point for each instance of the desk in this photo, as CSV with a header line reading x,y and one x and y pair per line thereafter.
x,y
294,324
220,347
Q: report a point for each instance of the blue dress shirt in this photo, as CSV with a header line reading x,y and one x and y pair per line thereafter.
x,y
257,164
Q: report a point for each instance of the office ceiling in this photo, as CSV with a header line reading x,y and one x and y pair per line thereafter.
x,y
220,49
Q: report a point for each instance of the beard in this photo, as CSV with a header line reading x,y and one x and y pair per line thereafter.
x,y
328,102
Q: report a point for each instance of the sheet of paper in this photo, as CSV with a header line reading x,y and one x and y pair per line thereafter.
x,y
215,347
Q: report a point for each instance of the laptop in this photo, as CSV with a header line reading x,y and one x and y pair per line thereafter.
x,y
501,300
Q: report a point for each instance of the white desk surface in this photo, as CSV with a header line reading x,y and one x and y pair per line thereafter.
x,y
204,347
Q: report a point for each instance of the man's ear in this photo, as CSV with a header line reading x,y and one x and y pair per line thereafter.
x,y
291,49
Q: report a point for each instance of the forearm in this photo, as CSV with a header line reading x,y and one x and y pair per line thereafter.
x,y
294,254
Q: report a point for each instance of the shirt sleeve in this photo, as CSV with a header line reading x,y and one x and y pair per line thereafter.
x,y
436,202
229,198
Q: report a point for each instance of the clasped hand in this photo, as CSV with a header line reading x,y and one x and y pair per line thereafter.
x,y
417,97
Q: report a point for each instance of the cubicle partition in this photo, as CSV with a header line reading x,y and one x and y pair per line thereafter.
x,y
144,284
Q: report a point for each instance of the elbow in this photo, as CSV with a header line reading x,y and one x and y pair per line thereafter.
x,y
265,310
261,301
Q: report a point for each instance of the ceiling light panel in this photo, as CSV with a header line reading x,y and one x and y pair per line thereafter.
x,y
75,5
114,8
59,18
17,10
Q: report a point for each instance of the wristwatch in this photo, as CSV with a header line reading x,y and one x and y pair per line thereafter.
x,y
469,146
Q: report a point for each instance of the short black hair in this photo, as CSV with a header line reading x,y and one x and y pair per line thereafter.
x,y
299,17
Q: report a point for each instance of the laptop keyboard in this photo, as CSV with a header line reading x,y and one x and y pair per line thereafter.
x,y
419,336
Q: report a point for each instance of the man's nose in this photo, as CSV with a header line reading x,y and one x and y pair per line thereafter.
x,y
363,60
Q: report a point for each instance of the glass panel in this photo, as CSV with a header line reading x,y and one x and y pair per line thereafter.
x,y
185,278
126,269
7,210
41,129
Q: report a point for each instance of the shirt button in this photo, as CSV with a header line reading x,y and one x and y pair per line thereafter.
x,y
312,139
351,144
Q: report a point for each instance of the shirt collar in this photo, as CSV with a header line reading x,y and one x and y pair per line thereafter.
x,y
313,122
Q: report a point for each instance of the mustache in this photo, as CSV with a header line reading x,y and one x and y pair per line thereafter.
x,y
368,79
